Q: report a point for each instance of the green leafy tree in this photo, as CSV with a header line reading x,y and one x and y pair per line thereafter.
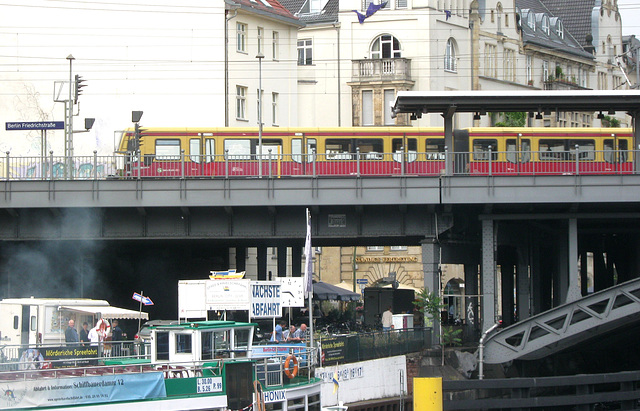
x,y
510,119
429,303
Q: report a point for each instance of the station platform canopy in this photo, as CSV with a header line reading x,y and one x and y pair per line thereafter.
x,y
537,101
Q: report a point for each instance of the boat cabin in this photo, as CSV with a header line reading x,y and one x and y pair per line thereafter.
x,y
201,341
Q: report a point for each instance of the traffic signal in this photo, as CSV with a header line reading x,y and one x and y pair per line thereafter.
x,y
139,135
78,88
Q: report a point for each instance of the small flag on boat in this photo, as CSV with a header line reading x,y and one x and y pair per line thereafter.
x,y
226,275
336,384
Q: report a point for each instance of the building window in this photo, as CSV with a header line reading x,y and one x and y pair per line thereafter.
x,y
367,108
385,47
545,70
276,45
241,29
450,56
274,108
530,70
398,248
305,52
490,60
509,65
389,98
602,81
241,103
260,39
375,248
531,20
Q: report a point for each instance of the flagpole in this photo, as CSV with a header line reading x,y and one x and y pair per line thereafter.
x,y
140,312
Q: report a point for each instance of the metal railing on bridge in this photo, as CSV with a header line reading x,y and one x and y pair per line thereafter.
x,y
358,164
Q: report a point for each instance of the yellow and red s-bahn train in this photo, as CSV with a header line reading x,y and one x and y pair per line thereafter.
x,y
210,152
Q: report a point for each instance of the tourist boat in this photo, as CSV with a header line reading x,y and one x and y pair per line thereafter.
x,y
211,365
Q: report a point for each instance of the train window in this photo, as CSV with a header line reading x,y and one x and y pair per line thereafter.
x,y
338,149
434,148
586,149
623,146
552,150
609,155
296,150
194,150
370,148
168,149
209,150
397,145
270,146
238,149
481,149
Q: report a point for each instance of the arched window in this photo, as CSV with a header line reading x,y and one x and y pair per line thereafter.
x,y
545,24
385,47
450,56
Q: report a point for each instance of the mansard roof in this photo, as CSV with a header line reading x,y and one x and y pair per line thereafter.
x,y
552,40
267,8
576,15
301,9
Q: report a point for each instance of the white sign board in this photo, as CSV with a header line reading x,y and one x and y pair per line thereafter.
x,y
227,294
265,299
191,299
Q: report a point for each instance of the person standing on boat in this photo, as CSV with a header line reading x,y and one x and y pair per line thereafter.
x,y
71,335
387,319
300,335
84,333
277,335
116,337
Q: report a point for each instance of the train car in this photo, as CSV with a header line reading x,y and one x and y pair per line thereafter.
x,y
547,150
229,152
201,152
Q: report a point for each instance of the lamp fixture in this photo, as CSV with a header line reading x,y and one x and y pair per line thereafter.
x,y
539,116
611,112
601,116
476,116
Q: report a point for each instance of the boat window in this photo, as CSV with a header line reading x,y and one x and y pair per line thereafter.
x,y
162,345
434,148
241,342
168,149
34,323
481,149
207,345
183,343
16,321
194,150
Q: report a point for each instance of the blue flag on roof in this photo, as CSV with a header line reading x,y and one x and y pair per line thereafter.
x,y
370,11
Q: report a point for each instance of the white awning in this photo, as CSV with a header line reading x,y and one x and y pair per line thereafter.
x,y
107,312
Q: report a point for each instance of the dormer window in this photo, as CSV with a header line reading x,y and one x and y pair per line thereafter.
x,y
545,24
560,29
530,17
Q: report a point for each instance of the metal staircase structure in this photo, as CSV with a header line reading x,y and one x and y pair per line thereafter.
x,y
566,325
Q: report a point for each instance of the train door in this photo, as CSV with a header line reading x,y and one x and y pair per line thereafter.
x,y
302,160
518,155
616,155
404,150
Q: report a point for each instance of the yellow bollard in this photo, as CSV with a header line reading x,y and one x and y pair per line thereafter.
x,y
427,394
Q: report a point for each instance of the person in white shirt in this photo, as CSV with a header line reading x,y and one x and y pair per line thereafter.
x,y
387,320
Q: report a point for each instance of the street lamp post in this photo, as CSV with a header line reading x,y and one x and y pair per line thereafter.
x,y
260,56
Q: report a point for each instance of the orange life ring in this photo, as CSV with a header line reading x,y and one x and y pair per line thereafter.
x,y
287,363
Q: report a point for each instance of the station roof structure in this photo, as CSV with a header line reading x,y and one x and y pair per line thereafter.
x,y
538,101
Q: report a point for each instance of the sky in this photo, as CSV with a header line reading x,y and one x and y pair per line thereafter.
x,y
630,11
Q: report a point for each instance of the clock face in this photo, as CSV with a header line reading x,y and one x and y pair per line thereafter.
x,y
292,292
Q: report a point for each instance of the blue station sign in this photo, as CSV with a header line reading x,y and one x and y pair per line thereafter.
x,y
35,125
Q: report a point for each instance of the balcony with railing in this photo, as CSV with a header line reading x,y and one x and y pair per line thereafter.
x,y
392,69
